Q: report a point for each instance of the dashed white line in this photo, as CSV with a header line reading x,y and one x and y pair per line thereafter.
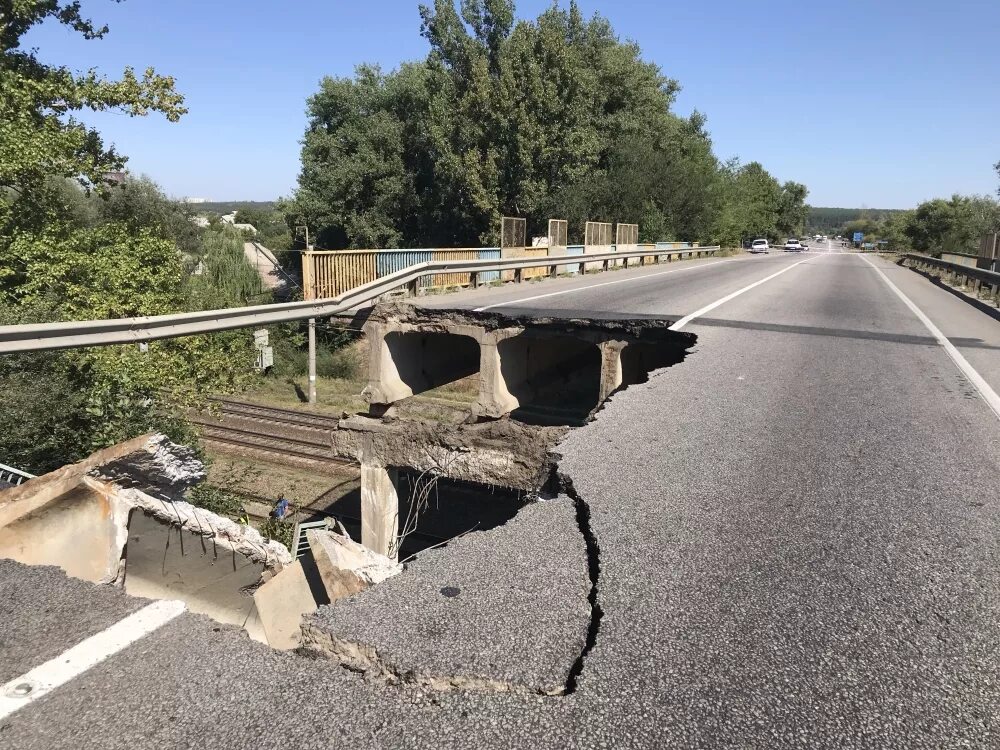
x,y
988,394
90,652
708,308
603,283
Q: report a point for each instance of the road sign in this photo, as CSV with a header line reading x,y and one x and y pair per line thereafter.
x,y
859,236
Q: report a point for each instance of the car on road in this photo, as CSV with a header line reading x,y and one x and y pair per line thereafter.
x,y
792,245
760,246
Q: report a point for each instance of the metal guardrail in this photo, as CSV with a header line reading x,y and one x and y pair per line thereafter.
x,y
978,276
12,476
76,333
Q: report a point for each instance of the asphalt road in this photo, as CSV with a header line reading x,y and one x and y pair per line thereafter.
x,y
797,531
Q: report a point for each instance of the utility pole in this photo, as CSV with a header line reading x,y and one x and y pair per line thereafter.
x,y
312,343
312,360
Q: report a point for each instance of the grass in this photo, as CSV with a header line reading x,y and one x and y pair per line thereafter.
x,y
333,395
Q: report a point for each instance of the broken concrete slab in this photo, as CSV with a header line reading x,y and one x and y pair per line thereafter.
x,y
157,467
503,452
280,604
164,561
346,567
546,370
99,531
505,610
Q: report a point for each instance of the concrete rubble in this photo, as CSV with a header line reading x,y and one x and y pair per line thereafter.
x,y
347,567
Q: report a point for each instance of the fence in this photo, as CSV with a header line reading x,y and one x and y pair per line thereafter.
x,y
980,280
13,477
329,273
558,233
960,259
989,252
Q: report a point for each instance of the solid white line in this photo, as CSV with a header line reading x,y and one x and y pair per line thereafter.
x,y
603,283
989,395
46,677
708,308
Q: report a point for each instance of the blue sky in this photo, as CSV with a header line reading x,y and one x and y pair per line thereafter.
x,y
881,103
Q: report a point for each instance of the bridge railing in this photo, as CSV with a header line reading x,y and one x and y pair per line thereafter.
x,y
327,273
76,333
970,276
12,476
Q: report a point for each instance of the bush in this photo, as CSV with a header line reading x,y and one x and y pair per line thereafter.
x,y
336,354
279,531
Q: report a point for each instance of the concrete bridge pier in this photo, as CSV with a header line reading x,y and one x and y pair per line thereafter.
x,y
379,503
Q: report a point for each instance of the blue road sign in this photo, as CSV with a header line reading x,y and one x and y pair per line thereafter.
x,y
859,236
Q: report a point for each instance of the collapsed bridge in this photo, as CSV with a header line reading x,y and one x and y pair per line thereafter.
x,y
120,517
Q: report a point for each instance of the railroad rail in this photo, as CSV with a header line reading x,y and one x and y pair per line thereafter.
x,y
247,435
235,408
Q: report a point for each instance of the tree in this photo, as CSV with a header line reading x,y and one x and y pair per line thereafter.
x,y
39,135
953,225
792,209
72,246
751,204
548,118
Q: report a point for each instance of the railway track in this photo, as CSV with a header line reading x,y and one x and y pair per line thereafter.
x,y
273,433
235,408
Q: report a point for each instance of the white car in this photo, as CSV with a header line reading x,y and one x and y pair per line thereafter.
x,y
760,246
792,245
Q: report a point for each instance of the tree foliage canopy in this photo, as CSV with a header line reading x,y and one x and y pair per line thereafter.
x,y
39,135
73,246
552,118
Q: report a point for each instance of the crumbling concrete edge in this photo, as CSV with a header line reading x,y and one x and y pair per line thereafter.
x,y
222,532
365,659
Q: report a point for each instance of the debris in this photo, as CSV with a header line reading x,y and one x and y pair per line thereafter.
x,y
345,566
281,602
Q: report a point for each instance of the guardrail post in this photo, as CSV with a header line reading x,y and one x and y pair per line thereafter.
x,y
474,279
605,265
517,275
553,271
625,262
412,287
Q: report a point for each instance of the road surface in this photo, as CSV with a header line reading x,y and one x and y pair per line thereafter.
x,y
798,535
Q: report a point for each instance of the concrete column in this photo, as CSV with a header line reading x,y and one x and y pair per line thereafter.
x,y
494,400
611,368
384,383
379,504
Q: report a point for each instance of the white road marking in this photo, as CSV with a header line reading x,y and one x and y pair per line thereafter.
x,y
90,652
708,308
603,283
988,394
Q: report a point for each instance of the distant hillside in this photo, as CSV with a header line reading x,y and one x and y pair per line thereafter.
x,y
827,219
226,207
